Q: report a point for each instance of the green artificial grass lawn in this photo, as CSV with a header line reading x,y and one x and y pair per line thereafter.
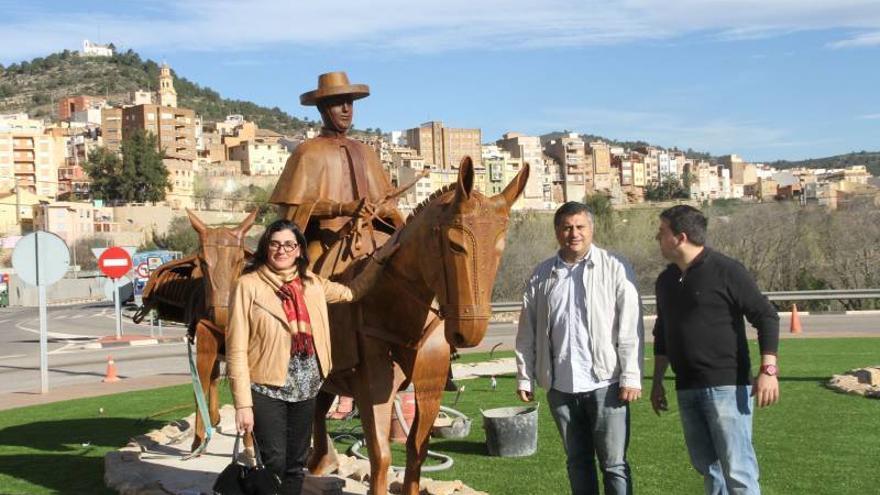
x,y
813,441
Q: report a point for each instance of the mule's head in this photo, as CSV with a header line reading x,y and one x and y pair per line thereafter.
x,y
462,252
221,258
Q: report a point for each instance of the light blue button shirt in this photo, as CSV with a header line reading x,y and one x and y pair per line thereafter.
x,y
572,359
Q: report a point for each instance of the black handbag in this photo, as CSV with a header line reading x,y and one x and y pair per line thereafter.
x,y
238,479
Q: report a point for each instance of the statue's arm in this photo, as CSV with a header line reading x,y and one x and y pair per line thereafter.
x,y
321,209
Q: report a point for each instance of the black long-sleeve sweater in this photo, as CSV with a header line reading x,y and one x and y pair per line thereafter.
x,y
700,325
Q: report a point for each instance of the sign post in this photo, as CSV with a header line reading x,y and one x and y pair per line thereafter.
x,y
115,262
41,259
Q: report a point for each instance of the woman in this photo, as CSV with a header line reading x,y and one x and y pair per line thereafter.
x,y
278,345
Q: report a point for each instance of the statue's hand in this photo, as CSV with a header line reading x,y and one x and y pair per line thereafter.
x,y
360,209
350,208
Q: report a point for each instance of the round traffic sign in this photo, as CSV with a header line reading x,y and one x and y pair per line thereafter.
x,y
41,258
143,270
114,262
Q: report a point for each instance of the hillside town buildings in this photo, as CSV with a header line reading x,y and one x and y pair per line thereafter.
x,y
43,183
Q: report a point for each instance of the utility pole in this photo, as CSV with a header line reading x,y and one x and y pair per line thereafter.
x,y
18,205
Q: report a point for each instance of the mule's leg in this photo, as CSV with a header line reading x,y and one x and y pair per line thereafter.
x,y
214,396
374,386
323,459
429,380
206,359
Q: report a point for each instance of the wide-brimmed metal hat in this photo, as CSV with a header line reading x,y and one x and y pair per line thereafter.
x,y
334,84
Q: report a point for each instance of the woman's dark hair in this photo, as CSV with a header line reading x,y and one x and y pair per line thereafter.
x,y
261,256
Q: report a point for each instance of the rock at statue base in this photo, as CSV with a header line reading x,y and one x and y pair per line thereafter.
x,y
152,464
861,381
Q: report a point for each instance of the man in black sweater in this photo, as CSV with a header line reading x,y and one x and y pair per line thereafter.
x,y
702,297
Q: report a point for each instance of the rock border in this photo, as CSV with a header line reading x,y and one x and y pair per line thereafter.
x,y
859,381
151,464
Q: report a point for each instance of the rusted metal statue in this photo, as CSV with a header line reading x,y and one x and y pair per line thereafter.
x,y
434,294
195,291
333,187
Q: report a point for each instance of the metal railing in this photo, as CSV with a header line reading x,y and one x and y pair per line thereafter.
x,y
786,295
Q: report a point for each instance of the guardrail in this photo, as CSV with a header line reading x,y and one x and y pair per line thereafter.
x,y
790,295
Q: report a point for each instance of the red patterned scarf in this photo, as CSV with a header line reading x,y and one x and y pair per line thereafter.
x,y
293,301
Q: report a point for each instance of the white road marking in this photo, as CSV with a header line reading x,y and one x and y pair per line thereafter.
x,y
12,356
51,335
62,349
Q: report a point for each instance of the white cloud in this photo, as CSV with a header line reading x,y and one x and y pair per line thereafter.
x,y
861,40
404,25
870,116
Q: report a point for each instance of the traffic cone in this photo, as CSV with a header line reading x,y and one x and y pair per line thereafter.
x,y
110,376
795,320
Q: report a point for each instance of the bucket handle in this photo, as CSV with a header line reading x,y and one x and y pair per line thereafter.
x,y
536,405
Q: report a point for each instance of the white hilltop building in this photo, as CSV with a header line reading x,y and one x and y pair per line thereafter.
x,y
95,50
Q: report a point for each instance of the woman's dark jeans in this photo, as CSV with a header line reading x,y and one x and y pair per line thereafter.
x,y
284,431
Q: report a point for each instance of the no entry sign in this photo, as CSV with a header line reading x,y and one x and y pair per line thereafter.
x,y
114,262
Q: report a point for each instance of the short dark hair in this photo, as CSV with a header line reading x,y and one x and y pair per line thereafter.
x,y
261,256
571,208
687,219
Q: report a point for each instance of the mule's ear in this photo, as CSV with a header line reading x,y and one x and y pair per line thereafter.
x,y
516,186
246,224
465,179
196,222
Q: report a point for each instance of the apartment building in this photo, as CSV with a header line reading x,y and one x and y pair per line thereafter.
x,y
600,160
29,155
260,156
111,128
173,127
70,105
575,176
70,220
444,147
527,149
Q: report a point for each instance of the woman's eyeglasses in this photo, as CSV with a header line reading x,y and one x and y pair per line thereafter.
x,y
287,246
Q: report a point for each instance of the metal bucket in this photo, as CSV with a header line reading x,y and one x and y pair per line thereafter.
x,y
511,431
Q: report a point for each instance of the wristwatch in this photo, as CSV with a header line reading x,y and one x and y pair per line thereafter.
x,y
769,369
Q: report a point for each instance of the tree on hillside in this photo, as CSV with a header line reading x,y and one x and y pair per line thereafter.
x,y
603,213
670,187
180,237
139,177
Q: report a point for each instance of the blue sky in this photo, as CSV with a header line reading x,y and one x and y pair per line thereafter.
x,y
767,79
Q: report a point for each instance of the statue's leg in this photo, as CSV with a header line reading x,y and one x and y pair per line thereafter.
x,y
206,358
214,397
323,459
374,387
429,380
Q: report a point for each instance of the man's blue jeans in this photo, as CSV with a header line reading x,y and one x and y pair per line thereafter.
x,y
717,424
594,425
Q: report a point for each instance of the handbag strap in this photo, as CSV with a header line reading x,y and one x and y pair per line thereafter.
x,y
235,447
257,455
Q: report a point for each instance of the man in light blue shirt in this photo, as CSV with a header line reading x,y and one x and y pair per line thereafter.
x,y
580,337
